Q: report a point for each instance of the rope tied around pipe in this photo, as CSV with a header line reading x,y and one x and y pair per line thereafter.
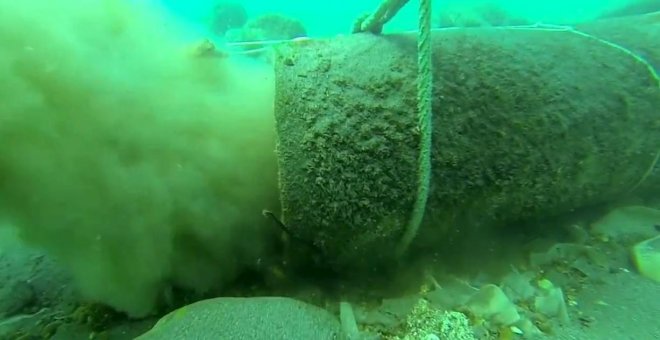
x,y
374,24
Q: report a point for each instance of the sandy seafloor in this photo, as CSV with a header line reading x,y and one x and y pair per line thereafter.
x,y
608,301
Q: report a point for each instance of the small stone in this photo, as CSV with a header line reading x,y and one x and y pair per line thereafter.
x,y
646,256
492,304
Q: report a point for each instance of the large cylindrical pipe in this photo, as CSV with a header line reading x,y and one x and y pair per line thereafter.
x,y
528,122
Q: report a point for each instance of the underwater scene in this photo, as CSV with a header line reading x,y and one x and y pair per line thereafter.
x,y
358,170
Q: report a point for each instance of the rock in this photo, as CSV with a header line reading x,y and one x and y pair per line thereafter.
x,y
348,323
492,304
517,286
628,221
11,326
550,301
16,298
390,314
247,318
427,322
646,256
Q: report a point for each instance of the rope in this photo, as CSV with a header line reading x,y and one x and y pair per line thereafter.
x,y
374,23
647,173
424,123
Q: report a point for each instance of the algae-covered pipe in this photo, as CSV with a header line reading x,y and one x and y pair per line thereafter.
x,y
528,122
